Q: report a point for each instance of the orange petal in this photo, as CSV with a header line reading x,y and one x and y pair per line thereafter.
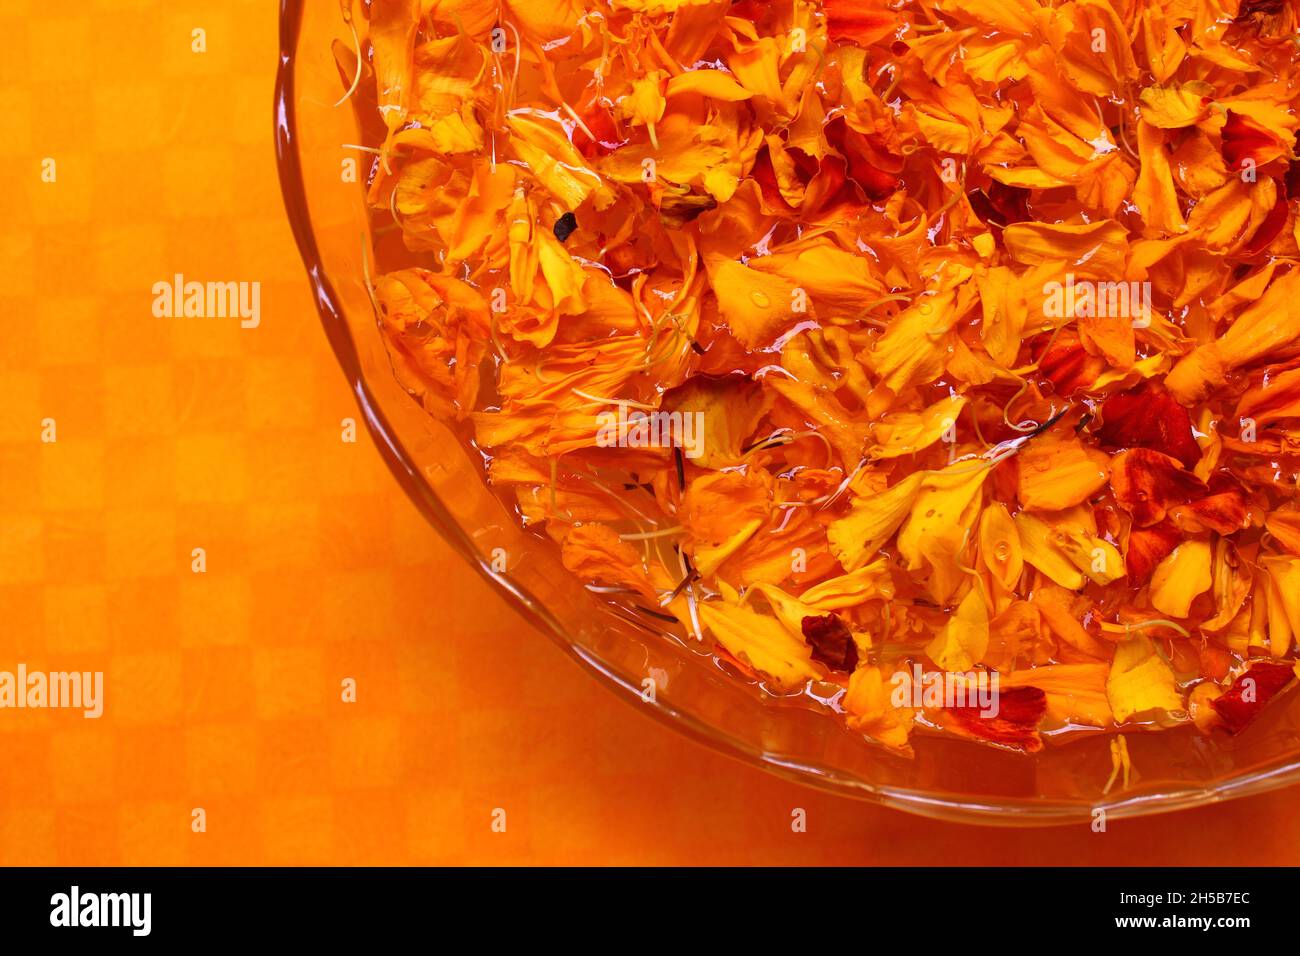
x,y
1285,527
1097,248
595,553
1058,473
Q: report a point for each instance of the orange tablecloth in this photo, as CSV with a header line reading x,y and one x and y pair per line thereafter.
x,y
223,688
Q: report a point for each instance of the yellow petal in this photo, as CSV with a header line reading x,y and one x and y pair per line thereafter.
x,y
709,557
870,522
1199,708
645,105
1062,611
475,17
905,433
915,347
1004,313
1165,49
730,411
1092,68
1041,552
564,276
447,72
1000,545
828,274
556,164
1095,557
546,20
1233,579
872,582
1220,218
476,222
1283,602
965,638
789,610
939,525
452,133
761,642
1180,577
1173,107
852,589
1140,683
714,84
1267,326
689,154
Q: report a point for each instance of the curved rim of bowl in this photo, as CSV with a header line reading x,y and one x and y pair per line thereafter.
x,y
623,685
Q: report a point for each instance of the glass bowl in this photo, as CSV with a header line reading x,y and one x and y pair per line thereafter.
x,y
948,778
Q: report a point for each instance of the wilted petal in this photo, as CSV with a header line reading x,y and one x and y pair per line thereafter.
x,y
1243,701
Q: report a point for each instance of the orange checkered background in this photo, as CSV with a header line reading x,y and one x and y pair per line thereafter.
x,y
222,689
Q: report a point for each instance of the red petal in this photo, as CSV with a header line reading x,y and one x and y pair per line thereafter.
x,y
1149,418
1147,483
1016,724
831,642
859,21
858,152
1261,683
1011,202
1000,205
